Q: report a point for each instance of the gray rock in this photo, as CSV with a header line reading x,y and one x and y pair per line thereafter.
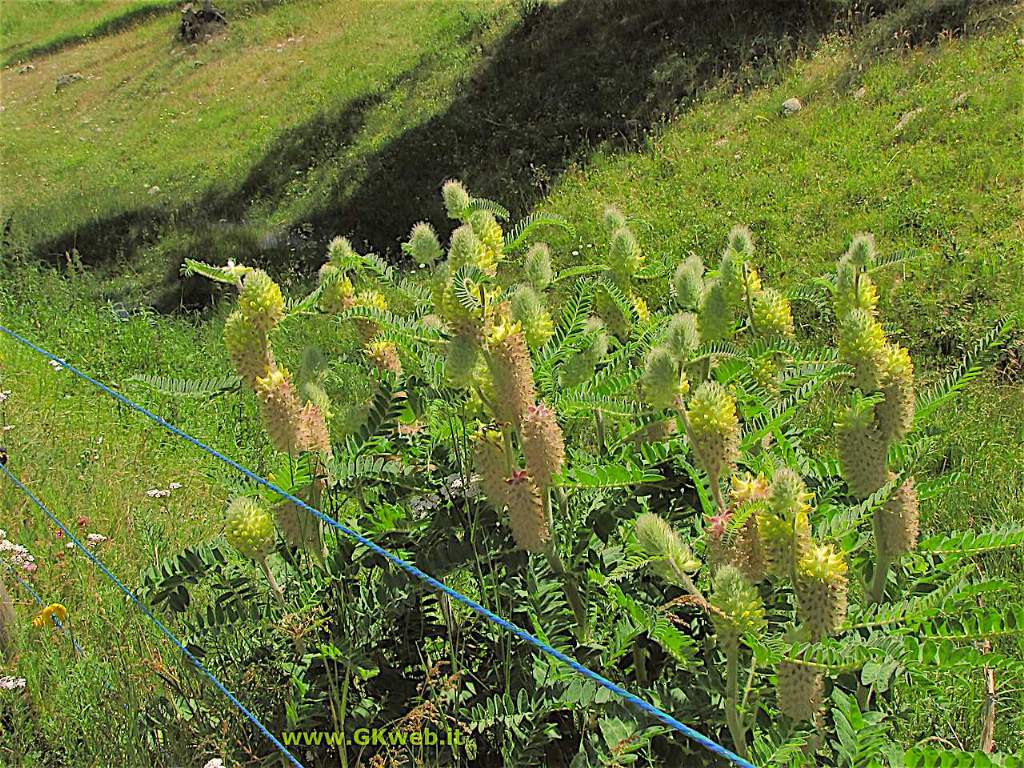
x,y
907,118
960,100
63,81
860,93
791,106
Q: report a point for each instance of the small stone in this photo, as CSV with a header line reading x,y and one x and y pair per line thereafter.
x,y
907,118
960,100
154,190
65,80
791,106
860,93
25,69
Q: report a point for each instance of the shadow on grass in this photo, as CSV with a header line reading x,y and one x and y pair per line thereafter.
x,y
568,78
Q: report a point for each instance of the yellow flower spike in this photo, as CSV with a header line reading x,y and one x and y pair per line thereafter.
x,y
51,614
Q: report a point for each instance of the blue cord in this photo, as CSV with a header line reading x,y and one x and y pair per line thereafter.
x,y
167,633
408,567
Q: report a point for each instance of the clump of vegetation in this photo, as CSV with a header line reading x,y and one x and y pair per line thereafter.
x,y
690,498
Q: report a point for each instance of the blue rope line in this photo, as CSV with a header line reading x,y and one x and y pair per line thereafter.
x,y
405,565
167,633
39,600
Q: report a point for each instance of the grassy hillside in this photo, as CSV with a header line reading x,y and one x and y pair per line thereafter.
x,y
31,28
154,125
919,146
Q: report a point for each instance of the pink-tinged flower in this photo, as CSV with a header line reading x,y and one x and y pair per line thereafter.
x,y
215,763
12,683
718,525
173,486
157,493
69,545
30,568
59,533
83,521
95,538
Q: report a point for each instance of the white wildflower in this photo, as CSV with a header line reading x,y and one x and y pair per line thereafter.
x,y
95,538
12,683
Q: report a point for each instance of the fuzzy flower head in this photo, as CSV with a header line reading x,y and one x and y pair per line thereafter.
x,y
456,199
543,444
714,427
261,300
527,517
528,309
682,337
249,528
537,266
688,282
624,257
772,314
423,245
671,557
736,607
662,382
862,345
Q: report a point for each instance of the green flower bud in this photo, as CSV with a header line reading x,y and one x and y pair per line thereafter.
x,y
624,255
741,241
671,557
688,282
528,309
682,337
423,245
340,253
467,248
862,251
716,319
249,528
460,361
613,218
537,267
661,382
456,199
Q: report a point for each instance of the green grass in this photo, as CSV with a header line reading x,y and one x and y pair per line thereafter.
x,y
154,122
32,28
948,188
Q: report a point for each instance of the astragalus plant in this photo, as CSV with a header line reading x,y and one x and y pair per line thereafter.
x,y
648,465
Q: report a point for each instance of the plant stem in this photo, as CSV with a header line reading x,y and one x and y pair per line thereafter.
x,y
274,586
732,712
599,426
639,663
572,591
877,589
